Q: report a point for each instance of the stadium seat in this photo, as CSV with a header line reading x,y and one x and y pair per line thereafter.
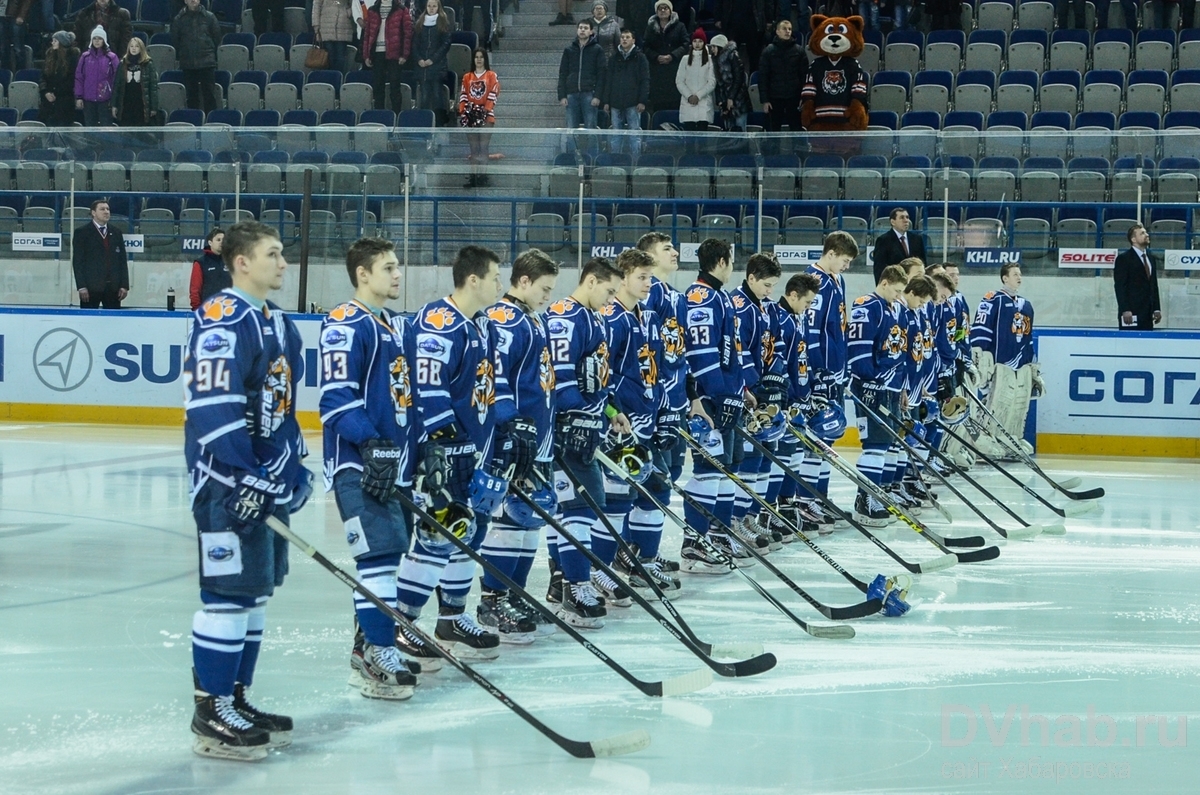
x,y
1146,91
1060,91
931,92
1155,50
974,91
1111,49
1069,50
944,49
1027,50
1017,91
889,91
992,15
1036,15
262,118
985,50
903,51
1102,90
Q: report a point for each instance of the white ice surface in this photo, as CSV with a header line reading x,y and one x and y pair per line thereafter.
x,y
98,586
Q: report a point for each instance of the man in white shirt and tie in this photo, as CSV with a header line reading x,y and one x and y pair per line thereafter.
x,y
99,261
1136,284
898,243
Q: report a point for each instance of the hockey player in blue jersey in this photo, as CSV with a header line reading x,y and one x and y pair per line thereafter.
x,y
920,383
827,324
635,351
878,348
1002,346
367,356
525,421
958,316
766,377
459,470
243,447
714,358
582,374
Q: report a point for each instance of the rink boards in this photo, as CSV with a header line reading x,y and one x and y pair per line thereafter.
x,y
1108,392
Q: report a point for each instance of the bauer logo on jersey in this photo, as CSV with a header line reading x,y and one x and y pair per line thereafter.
x,y
672,340
439,318
337,338
700,317
697,294
834,82
400,386
431,346
217,307
216,344
483,396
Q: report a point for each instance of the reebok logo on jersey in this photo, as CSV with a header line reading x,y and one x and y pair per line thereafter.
x,y
439,318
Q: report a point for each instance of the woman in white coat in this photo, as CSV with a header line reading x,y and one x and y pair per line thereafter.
x,y
696,81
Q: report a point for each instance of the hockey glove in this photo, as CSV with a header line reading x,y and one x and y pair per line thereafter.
x,y
728,411
873,394
487,492
302,490
945,387
516,447
579,433
381,467
771,388
252,499
666,439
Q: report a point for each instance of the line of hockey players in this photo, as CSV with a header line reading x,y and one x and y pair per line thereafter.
x,y
494,390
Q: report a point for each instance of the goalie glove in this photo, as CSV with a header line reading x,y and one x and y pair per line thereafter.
x,y
1039,386
381,467
253,497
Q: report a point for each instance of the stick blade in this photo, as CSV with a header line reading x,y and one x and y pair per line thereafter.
x,y
619,745
755,665
947,517
687,683
1025,533
736,651
938,563
1090,494
1069,483
964,541
860,610
978,555
1080,508
836,632
1054,530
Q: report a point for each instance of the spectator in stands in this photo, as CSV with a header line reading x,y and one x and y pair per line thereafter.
x,y
665,42
869,11
746,22
476,110
944,14
209,274
697,82
1130,7
733,94
386,45
485,13
626,90
1136,284
12,33
608,27
564,14
1080,15
94,77
99,261
431,43
197,36
268,15
57,85
334,30
135,96
580,77
781,73
115,20
897,244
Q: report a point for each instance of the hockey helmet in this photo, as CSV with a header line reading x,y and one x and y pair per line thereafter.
x,y
699,428
459,519
517,511
829,424
954,411
631,456
487,491
771,422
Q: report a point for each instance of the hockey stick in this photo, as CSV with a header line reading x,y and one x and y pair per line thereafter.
x,y
733,650
1071,509
610,746
817,631
825,451
755,665
869,607
943,562
686,683
1027,531
1027,460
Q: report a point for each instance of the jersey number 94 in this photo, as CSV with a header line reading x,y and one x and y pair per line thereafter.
x,y
210,374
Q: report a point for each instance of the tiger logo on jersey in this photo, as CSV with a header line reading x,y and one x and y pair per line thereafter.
x,y
217,307
802,361
672,340
400,387
476,89
546,374
483,396
439,318
952,329
834,82
604,371
896,342
697,295
648,366
917,349
768,349
501,314
842,312
276,398
1022,325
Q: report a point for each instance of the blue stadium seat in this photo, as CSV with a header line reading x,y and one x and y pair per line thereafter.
x,y
28,75
1044,164
614,159
1071,34
312,157
262,118
360,76
233,156
8,116
5,78
349,158
388,159
162,38
416,118
921,118
279,38
662,117
225,116
228,13
911,161
980,77
834,162
1155,76
385,117
256,76
1121,35
1020,77
1026,35
247,40
959,162
883,118
1189,34
935,77
791,161
1129,165
889,77
877,162
997,37
345,117
999,163
222,78
693,160
331,76
1050,118
187,115
1181,118
1113,76
1165,36
1100,164
157,12
467,37
199,156
171,76
873,36
907,36
306,117
964,118
275,156
947,36
1061,76
1008,118
1096,118
1170,164
1139,118
155,156
1182,76
293,76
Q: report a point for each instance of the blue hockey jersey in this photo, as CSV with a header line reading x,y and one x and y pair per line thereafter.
x,y
959,326
827,324
878,342
241,371
524,370
1004,327
670,308
945,349
758,332
634,351
714,353
922,371
793,342
456,372
577,333
367,389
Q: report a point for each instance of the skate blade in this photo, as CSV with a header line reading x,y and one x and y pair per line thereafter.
x,y
215,749
518,638
867,521
697,567
736,651
688,683
579,622
280,740
383,692
545,630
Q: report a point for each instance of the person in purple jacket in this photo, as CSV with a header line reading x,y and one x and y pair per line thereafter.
x,y
94,76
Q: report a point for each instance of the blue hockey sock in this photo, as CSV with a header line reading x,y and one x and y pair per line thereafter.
x,y
871,463
255,621
644,528
889,467
725,491
603,544
525,562
704,489
379,577
503,548
218,640
575,567
823,478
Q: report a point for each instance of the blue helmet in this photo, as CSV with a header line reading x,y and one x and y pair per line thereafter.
x,y
634,458
829,424
699,428
769,427
517,511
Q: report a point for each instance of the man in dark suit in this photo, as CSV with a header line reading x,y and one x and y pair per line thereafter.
x,y
99,260
1138,308
897,243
